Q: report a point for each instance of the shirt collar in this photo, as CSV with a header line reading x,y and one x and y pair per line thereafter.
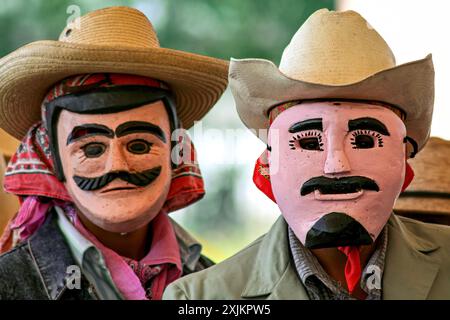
x,y
190,248
88,256
308,266
77,243
164,248
170,244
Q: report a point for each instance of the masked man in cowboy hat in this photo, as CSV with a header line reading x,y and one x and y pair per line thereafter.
x,y
341,120
96,171
428,197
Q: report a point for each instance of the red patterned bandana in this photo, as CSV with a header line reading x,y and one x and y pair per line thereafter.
x,y
30,174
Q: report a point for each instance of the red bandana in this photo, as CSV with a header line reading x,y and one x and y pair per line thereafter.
x,y
261,178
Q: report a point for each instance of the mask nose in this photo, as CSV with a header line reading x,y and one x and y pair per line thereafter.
x,y
336,161
117,160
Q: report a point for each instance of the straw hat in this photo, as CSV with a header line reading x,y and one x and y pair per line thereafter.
x,y
116,40
335,55
429,192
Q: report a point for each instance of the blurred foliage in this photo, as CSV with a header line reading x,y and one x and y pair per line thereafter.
x,y
235,28
24,21
219,28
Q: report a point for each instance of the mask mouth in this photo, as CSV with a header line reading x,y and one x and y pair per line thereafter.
x,y
330,188
119,189
337,229
337,196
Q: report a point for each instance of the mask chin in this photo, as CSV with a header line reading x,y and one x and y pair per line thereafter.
x,y
120,214
337,229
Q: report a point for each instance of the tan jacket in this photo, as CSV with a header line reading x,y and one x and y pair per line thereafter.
x,y
417,266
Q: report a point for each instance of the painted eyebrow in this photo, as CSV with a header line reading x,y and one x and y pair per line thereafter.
x,y
87,130
367,123
140,127
310,124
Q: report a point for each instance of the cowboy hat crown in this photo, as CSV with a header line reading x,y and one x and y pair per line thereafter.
x,y
115,26
335,48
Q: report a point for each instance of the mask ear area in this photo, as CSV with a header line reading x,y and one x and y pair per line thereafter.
x,y
409,176
413,144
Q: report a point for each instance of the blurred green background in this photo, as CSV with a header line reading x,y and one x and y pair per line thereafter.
x,y
233,212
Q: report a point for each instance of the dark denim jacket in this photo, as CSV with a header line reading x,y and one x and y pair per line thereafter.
x,y
37,268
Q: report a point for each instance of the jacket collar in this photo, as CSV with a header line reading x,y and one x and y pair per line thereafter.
x,y
190,249
273,273
51,256
409,270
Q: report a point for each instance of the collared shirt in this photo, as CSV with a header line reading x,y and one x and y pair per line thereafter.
x,y
320,286
111,275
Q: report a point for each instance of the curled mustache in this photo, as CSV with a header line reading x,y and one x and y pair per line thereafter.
x,y
338,185
140,179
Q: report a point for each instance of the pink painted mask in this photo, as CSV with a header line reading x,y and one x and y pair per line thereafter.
x,y
336,169
117,165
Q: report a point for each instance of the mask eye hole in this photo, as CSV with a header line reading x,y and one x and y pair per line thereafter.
x,y
139,146
309,140
366,139
94,149
311,143
364,142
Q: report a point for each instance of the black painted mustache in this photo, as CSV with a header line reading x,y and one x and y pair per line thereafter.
x,y
338,185
140,179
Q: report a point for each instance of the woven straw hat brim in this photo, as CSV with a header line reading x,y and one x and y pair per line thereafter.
x,y
28,73
258,85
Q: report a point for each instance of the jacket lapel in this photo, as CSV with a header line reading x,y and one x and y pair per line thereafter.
x,y
409,269
273,275
51,256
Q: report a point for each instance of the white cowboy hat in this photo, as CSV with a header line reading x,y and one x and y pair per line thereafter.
x,y
335,55
114,40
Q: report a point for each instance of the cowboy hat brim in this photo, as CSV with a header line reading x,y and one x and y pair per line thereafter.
x,y
28,73
258,85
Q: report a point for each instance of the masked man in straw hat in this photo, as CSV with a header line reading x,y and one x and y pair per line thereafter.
x,y
428,197
342,119
96,172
